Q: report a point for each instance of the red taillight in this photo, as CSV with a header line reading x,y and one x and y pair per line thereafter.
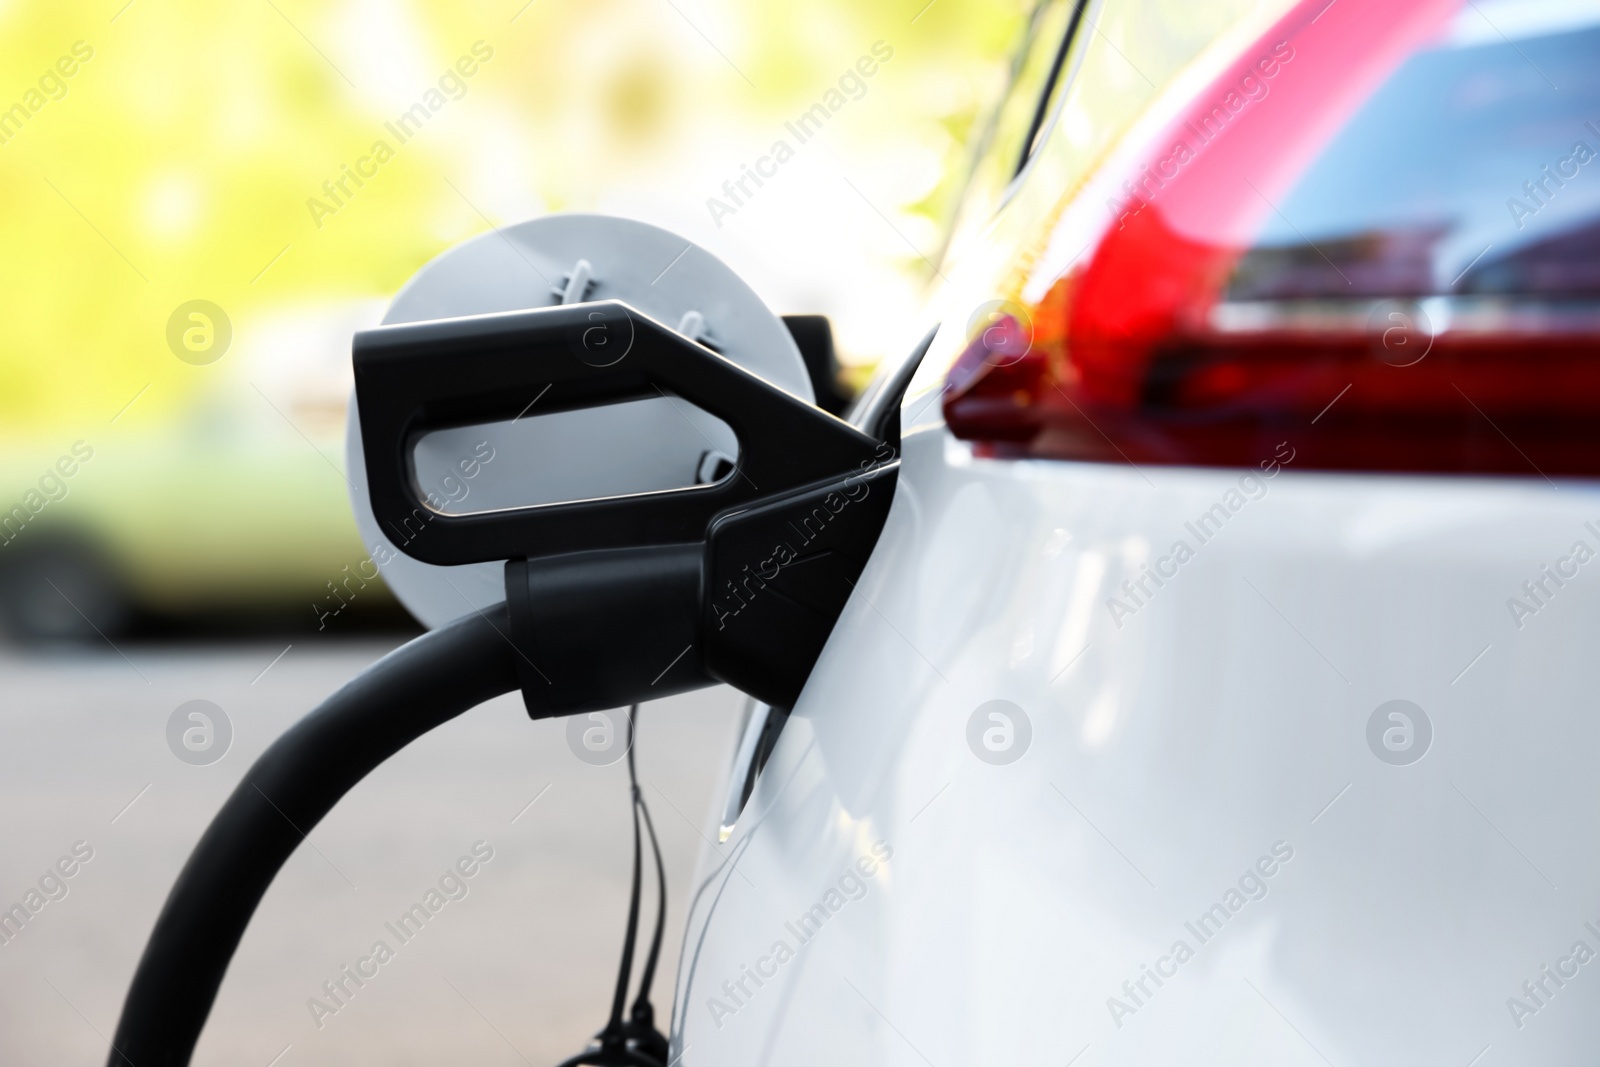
x,y
1179,337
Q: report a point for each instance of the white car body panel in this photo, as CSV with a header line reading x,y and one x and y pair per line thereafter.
x,y
1169,754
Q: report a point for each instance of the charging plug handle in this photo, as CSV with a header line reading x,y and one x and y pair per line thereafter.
x,y
413,378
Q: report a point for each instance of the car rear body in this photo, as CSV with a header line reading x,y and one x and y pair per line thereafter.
x,y
1219,689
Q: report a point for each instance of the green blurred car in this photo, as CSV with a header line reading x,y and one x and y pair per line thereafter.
x,y
234,509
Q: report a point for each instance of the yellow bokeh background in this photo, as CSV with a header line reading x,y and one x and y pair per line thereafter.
x,y
180,160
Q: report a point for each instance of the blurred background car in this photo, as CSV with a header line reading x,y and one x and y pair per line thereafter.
x,y
232,512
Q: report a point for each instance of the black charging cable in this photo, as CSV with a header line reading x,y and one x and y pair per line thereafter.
x,y
642,1019
287,791
634,1042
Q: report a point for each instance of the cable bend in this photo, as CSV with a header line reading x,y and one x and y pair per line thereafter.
x,y
288,790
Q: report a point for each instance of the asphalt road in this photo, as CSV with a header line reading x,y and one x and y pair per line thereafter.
x,y
517,971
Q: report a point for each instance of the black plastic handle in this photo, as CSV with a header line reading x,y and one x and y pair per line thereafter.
x,y
417,377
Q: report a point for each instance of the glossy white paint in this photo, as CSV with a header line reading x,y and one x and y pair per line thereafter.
x,y
1225,717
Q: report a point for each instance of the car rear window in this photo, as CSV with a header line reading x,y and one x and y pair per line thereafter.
x,y
1474,169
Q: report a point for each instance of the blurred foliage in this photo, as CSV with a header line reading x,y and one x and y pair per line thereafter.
x,y
179,161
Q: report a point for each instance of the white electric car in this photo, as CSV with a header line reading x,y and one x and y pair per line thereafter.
x,y
1187,654
1222,689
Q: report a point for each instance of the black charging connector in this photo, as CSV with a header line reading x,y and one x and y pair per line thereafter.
x,y
631,598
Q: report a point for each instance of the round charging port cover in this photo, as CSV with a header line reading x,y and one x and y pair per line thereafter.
x,y
640,446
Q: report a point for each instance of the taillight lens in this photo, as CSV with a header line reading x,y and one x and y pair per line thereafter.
x,y
1376,235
